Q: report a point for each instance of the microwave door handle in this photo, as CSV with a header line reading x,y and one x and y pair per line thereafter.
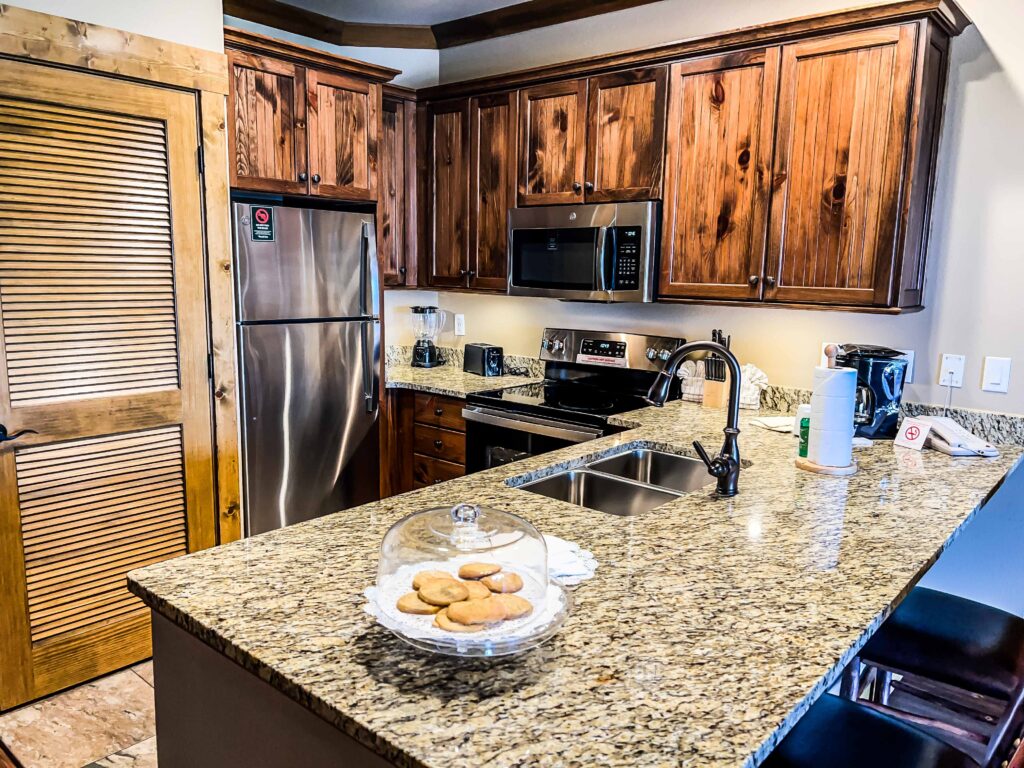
x,y
601,263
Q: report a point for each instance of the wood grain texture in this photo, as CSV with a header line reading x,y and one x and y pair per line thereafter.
x,y
439,411
719,148
391,208
448,191
444,444
839,163
426,470
553,126
396,442
492,182
267,115
626,135
41,37
344,130
90,266
945,15
220,286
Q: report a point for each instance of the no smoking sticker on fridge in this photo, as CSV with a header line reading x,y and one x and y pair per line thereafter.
x,y
261,222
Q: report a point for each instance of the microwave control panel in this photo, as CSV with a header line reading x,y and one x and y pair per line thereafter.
x,y
627,258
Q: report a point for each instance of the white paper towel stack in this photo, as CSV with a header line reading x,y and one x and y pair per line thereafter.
x,y
830,442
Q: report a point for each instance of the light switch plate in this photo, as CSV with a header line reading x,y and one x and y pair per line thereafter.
x,y
460,325
951,370
996,375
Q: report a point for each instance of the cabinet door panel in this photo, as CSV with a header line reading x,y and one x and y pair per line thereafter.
x,y
448,193
552,143
344,117
840,155
626,135
267,108
721,116
492,188
392,237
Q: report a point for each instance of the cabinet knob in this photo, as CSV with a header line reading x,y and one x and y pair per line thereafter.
x,y
577,187
769,281
438,444
462,273
303,176
316,178
753,280
472,273
439,411
588,186
401,270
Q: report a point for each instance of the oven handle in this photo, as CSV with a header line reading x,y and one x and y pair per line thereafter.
x,y
532,425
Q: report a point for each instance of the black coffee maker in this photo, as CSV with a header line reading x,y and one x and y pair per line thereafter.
x,y
880,375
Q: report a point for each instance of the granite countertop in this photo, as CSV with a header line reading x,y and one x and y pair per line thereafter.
x,y
448,380
710,627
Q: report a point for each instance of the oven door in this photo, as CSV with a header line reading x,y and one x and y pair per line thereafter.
x,y
495,437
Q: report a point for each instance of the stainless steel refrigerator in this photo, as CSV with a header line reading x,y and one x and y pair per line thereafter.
x,y
309,354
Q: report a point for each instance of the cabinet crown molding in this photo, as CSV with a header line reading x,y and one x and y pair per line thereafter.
x,y
254,43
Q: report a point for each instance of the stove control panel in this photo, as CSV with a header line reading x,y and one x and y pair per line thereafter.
x,y
606,349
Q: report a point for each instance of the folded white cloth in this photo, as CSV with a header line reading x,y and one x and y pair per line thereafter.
x,y
754,380
568,563
774,423
691,375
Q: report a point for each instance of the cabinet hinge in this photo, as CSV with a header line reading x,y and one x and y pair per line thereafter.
x,y
200,162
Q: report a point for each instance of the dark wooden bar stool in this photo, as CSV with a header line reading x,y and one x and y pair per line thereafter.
x,y
960,666
837,733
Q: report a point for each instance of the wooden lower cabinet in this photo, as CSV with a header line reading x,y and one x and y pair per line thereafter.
x,y
103,355
425,439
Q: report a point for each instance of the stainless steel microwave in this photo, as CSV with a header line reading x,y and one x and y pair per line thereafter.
x,y
603,252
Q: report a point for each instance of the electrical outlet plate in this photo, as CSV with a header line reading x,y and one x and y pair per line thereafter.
x,y
951,370
460,325
996,375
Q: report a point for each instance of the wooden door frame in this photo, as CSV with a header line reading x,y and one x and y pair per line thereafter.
x,y
103,50
461,108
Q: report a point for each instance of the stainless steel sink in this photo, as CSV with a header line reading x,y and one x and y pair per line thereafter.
x,y
601,492
667,470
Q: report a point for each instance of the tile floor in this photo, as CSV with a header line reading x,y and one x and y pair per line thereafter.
x,y
108,723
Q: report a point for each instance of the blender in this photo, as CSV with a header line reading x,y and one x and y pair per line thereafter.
x,y
427,323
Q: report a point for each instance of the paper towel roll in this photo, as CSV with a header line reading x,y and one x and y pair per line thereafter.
x,y
832,413
835,382
830,448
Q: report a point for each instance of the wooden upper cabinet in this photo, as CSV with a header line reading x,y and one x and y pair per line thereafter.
x,y
267,115
844,107
344,121
395,237
447,242
492,188
553,126
625,135
718,167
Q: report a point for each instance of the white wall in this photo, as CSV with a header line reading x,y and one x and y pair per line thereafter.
x,y
976,258
419,67
190,22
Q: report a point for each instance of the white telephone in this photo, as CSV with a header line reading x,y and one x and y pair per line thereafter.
x,y
949,437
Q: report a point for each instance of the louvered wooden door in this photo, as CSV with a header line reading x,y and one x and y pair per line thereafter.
x,y
839,164
344,128
103,352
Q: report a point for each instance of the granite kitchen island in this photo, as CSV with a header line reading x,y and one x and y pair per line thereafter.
x,y
710,627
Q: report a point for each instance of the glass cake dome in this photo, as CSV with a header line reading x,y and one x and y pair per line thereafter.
x,y
485,567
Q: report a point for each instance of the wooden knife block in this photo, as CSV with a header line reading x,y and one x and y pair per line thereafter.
x,y
716,393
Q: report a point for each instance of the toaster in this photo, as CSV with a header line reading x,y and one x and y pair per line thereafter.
x,y
483,360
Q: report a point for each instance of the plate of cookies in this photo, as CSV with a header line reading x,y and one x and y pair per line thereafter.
x,y
467,581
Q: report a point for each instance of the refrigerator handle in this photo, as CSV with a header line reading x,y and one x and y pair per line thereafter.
x,y
371,354
369,280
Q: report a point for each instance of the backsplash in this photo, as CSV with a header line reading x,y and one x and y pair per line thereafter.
x,y
402,355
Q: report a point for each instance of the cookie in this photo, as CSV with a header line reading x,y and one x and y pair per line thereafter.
x,y
443,592
477,591
423,577
506,581
411,603
515,606
486,611
477,570
441,621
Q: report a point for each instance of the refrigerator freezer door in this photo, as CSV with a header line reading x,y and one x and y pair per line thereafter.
x,y
303,263
310,435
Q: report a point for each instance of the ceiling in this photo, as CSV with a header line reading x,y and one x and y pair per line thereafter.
x,y
404,12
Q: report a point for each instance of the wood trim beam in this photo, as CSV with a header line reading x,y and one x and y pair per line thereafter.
x,y
41,37
327,28
262,45
943,12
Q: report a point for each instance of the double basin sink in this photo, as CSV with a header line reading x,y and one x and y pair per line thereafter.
x,y
625,484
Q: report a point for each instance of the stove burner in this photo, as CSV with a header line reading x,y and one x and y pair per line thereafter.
x,y
582,401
